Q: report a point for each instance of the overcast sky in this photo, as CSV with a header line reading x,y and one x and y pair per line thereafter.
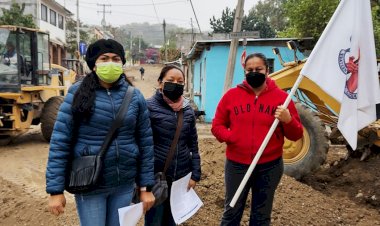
x,y
176,12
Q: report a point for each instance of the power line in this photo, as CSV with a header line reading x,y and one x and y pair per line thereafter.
x,y
141,15
141,4
155,10
126,13
195,16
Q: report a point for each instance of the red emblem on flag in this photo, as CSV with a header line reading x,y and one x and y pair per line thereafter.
x,y
242,58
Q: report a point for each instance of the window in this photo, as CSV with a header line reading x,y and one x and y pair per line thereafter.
x,y
60,21
53,17
271,65
44,11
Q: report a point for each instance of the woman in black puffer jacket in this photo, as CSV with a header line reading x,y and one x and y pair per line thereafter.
x,y
164,107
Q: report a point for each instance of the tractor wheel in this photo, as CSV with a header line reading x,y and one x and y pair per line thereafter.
x,y
48,116
308,153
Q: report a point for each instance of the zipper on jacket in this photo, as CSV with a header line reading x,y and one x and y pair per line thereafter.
x,y
176,158
117,146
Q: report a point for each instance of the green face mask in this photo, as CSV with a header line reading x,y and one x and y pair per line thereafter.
x,y
109,72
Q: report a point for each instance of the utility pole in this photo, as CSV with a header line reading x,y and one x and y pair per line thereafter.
x,y
233,46
195,16
139,43
166,49
78,35
104,14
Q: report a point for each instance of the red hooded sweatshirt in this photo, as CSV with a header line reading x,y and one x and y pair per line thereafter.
x,y
242,120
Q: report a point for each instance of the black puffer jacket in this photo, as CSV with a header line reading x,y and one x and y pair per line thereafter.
x,y
164,124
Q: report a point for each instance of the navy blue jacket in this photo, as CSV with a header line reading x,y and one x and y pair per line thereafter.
x,y
164,124
129,156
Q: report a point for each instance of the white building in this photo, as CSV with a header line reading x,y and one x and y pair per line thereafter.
x,y
48,16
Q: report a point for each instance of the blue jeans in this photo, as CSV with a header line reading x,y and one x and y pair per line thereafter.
x,y
161,215
263,183
100,207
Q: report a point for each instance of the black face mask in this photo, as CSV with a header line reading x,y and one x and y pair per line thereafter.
x,y
173,91
255,79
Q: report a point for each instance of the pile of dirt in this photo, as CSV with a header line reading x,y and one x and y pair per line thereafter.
x,y
353,179
295,203
18,207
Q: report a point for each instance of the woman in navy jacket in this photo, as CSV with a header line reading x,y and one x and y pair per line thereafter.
x,y
163,108
93,105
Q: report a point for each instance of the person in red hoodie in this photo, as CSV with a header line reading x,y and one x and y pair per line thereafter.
x,y
243,118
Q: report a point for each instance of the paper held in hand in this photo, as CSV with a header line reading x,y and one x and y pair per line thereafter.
x,y
130,215
184,203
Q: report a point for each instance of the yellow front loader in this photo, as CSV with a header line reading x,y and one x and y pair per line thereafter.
x,y
31,89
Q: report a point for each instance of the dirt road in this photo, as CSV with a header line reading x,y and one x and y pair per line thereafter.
x,y
341,193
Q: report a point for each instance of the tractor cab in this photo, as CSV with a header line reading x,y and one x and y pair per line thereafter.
x,y
24,58
31,89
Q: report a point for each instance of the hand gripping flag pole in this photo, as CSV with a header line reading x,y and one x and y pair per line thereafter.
x,y
264,144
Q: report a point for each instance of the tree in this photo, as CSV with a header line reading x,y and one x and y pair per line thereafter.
x,y
137,53
376,27
139,39
71,35
15,16
173,53
223,24
313,26
251,22
256,23
308,18
271,11
121,35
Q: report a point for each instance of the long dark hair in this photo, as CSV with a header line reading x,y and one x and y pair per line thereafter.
x,y
258,55
84,98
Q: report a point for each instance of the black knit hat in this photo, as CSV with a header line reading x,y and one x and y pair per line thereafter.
x,y
102,46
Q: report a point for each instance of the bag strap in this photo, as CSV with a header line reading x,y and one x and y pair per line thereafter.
x,y
175,141
118,120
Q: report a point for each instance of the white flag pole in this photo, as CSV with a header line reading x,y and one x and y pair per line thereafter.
x,y
264,144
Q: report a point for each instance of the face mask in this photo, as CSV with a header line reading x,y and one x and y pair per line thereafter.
x,y
173,91
109,72
255,79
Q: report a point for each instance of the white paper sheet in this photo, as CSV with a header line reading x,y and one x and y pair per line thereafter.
x,y
184,203
130,215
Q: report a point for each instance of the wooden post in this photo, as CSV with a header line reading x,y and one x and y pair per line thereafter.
x,y
233,46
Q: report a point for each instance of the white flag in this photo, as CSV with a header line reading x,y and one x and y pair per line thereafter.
x,y
343,64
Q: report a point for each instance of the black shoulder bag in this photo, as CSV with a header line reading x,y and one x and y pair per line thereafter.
x,y
86,171
160,188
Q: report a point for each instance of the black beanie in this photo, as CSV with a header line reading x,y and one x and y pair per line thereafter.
x,y
102,46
